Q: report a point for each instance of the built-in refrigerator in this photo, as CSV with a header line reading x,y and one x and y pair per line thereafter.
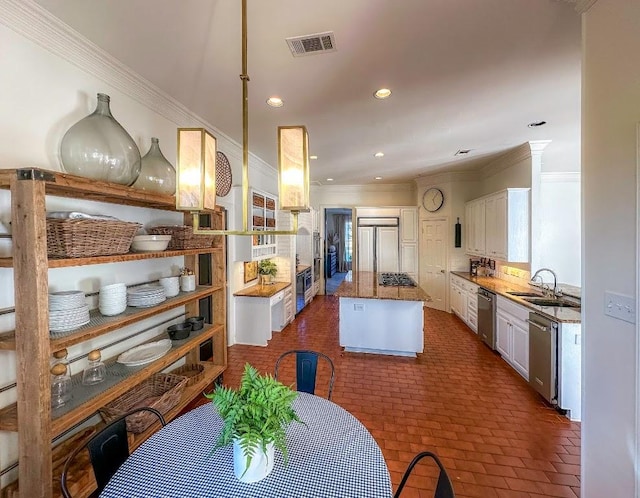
x,y
378,245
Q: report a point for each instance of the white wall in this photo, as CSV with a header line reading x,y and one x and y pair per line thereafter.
x,y
560,231
611,111
363,195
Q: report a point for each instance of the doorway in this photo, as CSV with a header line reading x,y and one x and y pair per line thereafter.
x,y
433,252
338,255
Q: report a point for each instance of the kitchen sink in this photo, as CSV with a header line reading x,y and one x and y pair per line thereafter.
x,y
559,303
524,294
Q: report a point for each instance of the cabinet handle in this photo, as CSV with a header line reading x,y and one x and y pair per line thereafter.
x,y
537,325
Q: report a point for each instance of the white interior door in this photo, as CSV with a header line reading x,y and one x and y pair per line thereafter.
x,y
365,248
387,249
433,250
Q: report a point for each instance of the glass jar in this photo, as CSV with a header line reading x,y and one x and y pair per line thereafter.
x,y
157,174
60,385
98,147
95,371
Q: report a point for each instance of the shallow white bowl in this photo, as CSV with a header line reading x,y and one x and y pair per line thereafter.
x,y
146,243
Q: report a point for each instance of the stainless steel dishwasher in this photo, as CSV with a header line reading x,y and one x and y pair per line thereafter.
x,y
543,356
487,317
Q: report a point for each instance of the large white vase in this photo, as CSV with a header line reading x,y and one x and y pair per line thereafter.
x,y
260,467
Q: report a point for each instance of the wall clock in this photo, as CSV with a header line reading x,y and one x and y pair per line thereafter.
x,y
433,199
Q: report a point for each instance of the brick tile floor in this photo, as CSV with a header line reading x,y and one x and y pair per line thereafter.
x,y
494,434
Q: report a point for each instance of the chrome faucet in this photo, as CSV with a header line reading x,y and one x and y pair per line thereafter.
x,y
555,291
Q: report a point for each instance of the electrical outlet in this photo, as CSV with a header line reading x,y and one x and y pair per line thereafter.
x,y
358,307
620,306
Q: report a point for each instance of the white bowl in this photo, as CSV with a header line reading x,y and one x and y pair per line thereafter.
x,y
146,243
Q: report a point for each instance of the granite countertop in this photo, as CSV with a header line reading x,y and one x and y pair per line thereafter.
x,y
260,290
301,268
501,287
364,284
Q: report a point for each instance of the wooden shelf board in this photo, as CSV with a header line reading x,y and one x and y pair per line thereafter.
x,y
117,258
103,324
63,421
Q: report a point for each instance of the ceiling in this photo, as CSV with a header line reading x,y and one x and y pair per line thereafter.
x,y
465,74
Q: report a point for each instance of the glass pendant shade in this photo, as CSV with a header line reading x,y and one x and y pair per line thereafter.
x,y
196,170
293,168
98,147
157,174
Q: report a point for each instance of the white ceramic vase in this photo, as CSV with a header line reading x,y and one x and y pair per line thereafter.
x,y
260,467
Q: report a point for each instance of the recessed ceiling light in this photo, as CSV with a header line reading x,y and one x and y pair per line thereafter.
x,y
275,102
379,154
535,124
383,93
313,157
378,178
329,179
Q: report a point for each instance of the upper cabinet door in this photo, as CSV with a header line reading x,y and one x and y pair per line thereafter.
x,y
409,225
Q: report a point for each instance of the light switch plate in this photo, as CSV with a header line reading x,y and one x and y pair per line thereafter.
x,y
620,306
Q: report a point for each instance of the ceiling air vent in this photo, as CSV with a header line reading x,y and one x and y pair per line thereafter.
x,y
462,152
312,44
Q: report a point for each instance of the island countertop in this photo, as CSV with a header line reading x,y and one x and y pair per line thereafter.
x,y
364,285
260,290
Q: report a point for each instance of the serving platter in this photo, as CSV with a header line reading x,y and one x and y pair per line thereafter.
x,y
145,353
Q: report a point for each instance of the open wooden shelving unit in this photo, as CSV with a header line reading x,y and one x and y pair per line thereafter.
x,y
31,416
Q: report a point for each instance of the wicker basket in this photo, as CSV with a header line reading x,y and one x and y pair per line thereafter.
x,y
166,388
193,372
81,238
182,237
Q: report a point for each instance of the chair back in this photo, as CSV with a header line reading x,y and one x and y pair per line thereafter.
x,y
306,369
108,449
444,488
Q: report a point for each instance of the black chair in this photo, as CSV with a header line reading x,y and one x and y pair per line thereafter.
x,y
108,449
306,368
444,488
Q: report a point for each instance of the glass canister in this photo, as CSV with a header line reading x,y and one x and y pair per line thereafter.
x,y
60,385
98,147
95,371
157,174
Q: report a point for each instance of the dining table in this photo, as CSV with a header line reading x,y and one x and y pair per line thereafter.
x,y
331,454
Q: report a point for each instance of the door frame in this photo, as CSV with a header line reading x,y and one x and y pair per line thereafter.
x,y
421,261
322,221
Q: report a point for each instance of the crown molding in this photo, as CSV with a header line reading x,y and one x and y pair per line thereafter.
x,y
448,177
348,189
38,25
560,177
584,5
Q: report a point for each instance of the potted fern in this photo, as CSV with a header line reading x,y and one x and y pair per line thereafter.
x,y
267,270
255,420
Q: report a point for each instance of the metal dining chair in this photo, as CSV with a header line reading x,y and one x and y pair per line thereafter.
x,y
306,369
108,449
444,488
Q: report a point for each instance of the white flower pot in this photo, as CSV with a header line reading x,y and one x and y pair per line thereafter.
x,y
260,467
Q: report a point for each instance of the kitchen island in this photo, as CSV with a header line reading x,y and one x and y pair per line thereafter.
x,y
382,319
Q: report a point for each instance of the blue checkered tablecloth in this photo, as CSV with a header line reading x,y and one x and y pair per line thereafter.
x,y
332,456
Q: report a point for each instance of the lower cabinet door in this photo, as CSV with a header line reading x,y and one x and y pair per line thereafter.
x,y
503,337
520,349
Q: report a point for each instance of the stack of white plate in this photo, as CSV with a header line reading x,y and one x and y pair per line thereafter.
x,y
145,296
171,285
67,311
112,299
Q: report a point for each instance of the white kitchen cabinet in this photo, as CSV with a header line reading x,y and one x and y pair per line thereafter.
x,y
512,331
262,217
475,216
258,317
289,306
409,242
507,225
471,290
498,226
458,298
